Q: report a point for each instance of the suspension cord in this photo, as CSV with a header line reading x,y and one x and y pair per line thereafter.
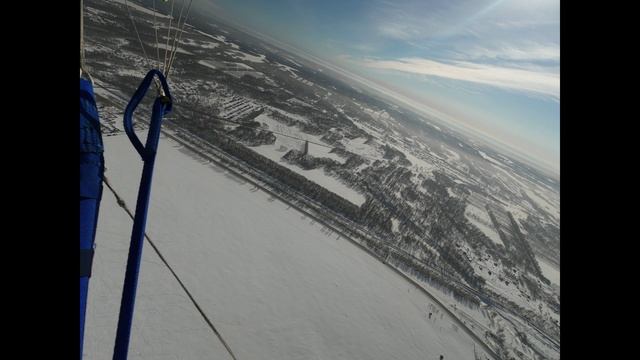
x,y
155,28
135,28
166,48
81,35
123,205
175,48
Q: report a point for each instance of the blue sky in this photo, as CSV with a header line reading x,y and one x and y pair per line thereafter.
x,y
491,66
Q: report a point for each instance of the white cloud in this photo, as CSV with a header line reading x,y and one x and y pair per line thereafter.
x,y
532,52
398,31
547,83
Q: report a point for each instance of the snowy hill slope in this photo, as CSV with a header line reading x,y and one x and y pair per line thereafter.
x,y
275,284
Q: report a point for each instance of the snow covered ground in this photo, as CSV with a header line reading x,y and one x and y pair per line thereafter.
x,y
201,44
135,7
275,284
219,38
283,144
358,146
244,56
170,47
480,218
550,271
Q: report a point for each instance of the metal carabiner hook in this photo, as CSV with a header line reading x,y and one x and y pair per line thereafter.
x,y
161,107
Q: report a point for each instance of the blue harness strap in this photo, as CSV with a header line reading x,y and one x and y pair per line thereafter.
x,y
161,106
91,174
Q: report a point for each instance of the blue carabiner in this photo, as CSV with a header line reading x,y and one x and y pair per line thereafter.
x,y
162,106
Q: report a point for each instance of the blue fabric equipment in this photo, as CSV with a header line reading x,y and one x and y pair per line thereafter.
x,y
91,173
161,106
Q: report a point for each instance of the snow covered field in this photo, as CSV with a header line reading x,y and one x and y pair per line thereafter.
x,y
481,219
550,272
275,284
283,144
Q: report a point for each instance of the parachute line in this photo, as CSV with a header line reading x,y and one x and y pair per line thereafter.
x,y
155,29
166,48
168,53
135,28
123,205
81,35
176,39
